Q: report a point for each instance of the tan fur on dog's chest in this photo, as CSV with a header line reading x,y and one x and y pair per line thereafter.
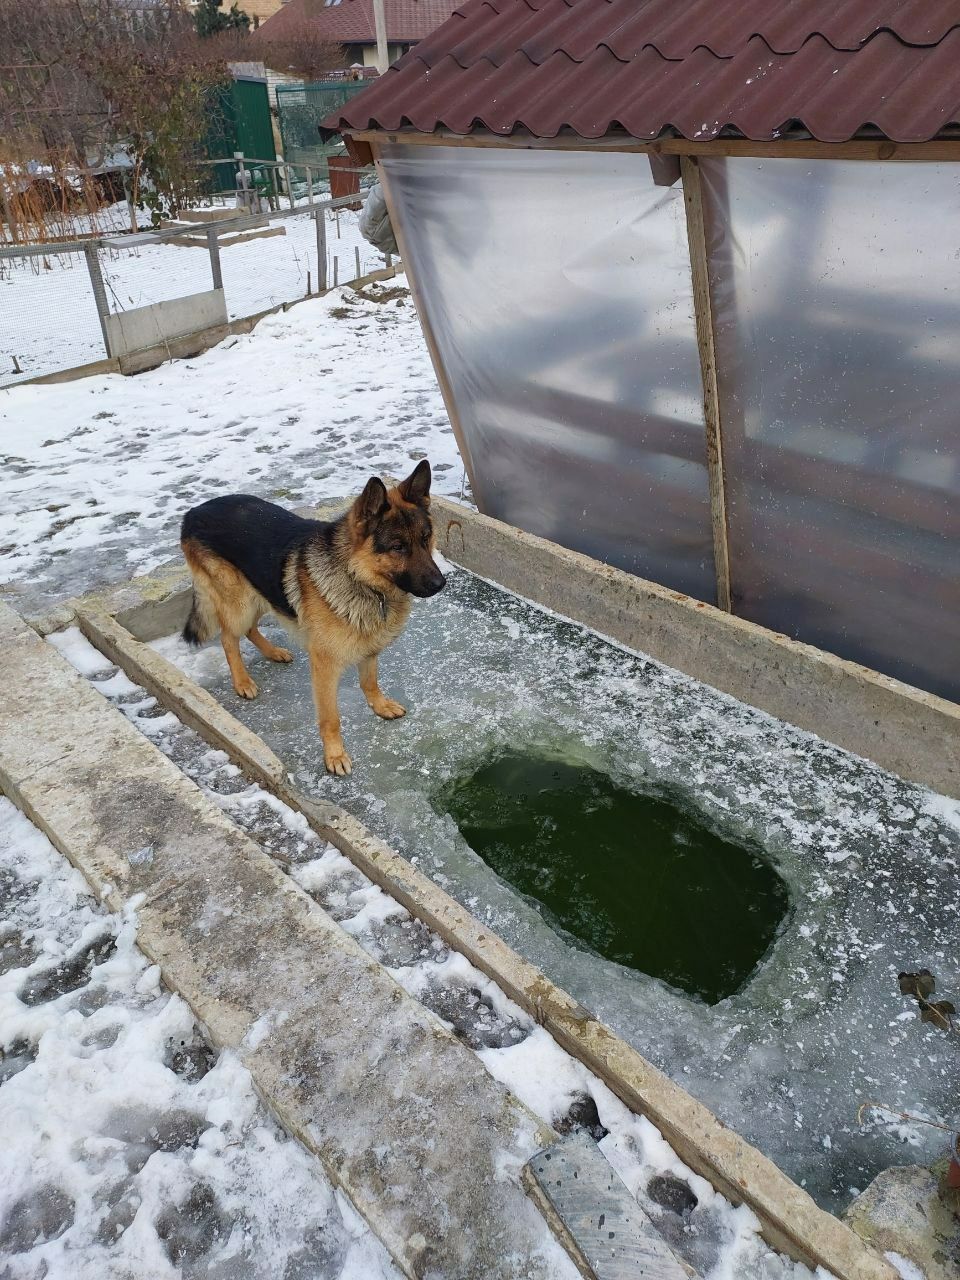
x,y
345,642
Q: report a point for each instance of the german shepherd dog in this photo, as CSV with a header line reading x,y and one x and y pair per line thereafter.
x,y
343,587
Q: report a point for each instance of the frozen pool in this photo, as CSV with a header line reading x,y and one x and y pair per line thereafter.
x,y
869,860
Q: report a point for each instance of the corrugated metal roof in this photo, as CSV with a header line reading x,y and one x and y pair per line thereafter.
x,y
693,67
351,21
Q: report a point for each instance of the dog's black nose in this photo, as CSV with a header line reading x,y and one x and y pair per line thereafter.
x,y
432,585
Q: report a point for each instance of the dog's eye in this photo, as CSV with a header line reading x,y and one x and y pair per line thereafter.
x,y
397,546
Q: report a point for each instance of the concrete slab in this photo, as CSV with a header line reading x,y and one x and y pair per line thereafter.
x,y
159,322
790,1219
404,1118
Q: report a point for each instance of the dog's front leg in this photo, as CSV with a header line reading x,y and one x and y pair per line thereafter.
x,y
386,708
325,676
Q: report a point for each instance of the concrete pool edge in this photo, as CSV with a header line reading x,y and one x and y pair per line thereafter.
x,y
791,1221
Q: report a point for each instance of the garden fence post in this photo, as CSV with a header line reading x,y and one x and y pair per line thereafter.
x,y
309,184
320,218
242,181
92,254
213,245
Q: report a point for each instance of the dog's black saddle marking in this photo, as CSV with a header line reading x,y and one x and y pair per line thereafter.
x,y
254,536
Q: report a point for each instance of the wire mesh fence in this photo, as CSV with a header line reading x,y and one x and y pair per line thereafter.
x,y
60,303
300,109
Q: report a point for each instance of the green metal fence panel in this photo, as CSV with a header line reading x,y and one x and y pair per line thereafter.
x,y
240,121
300,108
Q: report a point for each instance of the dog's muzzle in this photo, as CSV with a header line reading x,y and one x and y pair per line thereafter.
x,y
430,586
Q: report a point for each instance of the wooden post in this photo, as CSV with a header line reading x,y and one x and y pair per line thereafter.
x,y
406,261
320,218
703,311
286,178
336,271
309,184
356,255
8,211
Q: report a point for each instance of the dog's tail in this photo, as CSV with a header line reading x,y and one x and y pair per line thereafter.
x,y
201,622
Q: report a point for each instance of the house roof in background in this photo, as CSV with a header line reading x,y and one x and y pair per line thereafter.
x,y
351,21
696,68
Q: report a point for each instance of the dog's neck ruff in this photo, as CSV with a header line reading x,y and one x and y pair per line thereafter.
x,y
359,605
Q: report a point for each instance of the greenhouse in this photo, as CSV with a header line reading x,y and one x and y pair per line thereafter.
x,y
692,290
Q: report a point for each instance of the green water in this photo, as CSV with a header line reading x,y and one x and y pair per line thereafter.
x,y
632,877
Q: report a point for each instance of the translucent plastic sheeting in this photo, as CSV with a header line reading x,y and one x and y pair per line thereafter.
x,y
558,288
836,294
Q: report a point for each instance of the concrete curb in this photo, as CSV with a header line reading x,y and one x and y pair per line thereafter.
x,y
403,1117
790,1220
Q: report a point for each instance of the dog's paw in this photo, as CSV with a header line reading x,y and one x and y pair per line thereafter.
x,y
388,709
338,762
245,688
280,655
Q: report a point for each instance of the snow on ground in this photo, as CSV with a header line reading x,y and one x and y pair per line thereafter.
x,y
48,319
96,475
130,1148
721,1242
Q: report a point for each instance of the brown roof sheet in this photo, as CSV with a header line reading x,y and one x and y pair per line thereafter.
x,y
692,67
351,21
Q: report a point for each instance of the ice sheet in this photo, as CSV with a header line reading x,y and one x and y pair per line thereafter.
x,y
871,862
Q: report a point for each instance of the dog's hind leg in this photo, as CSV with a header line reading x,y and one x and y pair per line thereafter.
x,y
386,708
243,682
238,607
271,651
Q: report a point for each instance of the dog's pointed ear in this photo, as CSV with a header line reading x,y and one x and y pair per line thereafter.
x,y
416,487
372,502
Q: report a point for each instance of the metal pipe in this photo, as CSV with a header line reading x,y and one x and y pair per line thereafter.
x,y
320,217
213,245
380,23
158,237
92,255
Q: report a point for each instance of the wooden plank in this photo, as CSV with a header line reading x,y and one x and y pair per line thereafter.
x,y
810,149
599,1223
703,311
944,149
446,390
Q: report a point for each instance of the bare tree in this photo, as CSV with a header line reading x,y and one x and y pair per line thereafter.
x,y
301,51
81,79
